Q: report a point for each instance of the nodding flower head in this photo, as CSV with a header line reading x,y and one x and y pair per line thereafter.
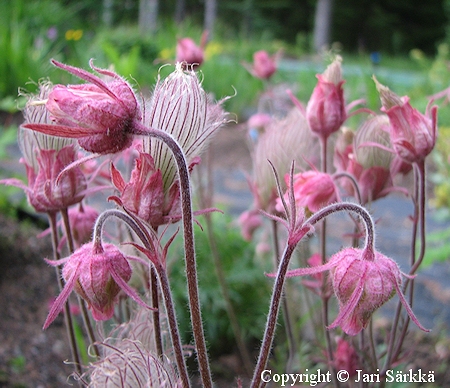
x,y
264,66
45,157
188,53
362,280
346,358
413,135
144,194
180,107
100,114
326,111
82,220
97,273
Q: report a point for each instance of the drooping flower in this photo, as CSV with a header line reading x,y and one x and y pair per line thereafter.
x,y
264,66
144,194
188,53
363,280
180,107
45,157
100,114
312,190
326,110
346,358
413,134
97,273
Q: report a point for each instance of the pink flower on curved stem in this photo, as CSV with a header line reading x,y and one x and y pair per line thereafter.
x,y
100,114
97,273
363,280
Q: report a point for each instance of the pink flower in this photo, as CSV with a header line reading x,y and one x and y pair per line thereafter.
x,y
346,358
326,111
45,157
413,135
82,220
189,53
264,66
312,189
45,192
97,273
144,194
363,280
249,221
100,114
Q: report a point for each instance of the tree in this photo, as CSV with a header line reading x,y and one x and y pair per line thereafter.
x,y
322,24
210,16
148,16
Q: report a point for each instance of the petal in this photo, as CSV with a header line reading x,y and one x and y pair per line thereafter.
x,y
127,289
348,309
63,131
59,302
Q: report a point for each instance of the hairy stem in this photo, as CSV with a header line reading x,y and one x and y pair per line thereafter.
x,y
67,314
189,247
173,325
284,308
272,316
144,236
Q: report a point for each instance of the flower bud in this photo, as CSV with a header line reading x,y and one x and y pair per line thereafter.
x,y
94,280
264,66
189,53
100,114
325,111
413,135
362,281
312,189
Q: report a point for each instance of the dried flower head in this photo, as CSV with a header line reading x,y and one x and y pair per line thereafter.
x,y
283,141
180,107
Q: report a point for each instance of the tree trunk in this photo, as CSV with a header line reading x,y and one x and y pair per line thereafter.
x,y
148,16
180,10
107,13
210,16
322,24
